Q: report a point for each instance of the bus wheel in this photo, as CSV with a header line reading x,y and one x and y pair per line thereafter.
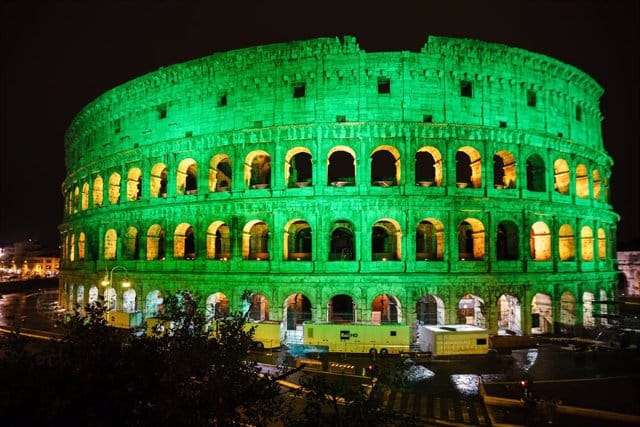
x,y
384,352
373,352
259,345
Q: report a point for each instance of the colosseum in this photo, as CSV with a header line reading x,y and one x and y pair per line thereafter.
x,y
466,183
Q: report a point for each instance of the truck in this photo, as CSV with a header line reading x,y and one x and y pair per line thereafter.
x,y
268,333
449,340
386,338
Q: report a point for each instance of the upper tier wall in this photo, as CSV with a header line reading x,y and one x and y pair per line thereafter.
x,y
327,80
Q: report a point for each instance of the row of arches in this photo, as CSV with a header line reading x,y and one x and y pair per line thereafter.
x,y
341,170
429,309
255,241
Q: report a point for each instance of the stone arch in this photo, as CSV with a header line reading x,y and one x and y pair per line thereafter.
x,y
72,248
582,181
507,241
602,244
220,173
70,293
540,242
153,303
297,310
586,243
341,166
129,302
93,296
386,240
80,296
134,184
81,246
76,199
471,240
385,166
561,176
567,311
155,242
297,240
84,202
509,310
298,169
541,314
257,170
597,185
341,309
536,173
471,311
468,167
217,306
342,241
588,319
218,241
386,308
430,310
110,244
98,191
131,243
255,241
566,245
504,170
114,188
428,167
259,307
184,242
110,299
430,240
158,181
187,177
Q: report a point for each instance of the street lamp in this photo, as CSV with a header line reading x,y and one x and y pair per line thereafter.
x,y
108,283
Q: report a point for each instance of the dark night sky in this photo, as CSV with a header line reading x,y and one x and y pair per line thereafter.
x,y
58,56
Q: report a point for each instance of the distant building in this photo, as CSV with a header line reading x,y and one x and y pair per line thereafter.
x,y
629,265
29,259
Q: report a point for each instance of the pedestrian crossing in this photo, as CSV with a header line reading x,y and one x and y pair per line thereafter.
x,y
426,406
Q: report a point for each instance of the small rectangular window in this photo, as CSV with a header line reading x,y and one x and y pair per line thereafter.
x,y
503,124
162,112
531,98
116,126
257,124
427,118
481,341
384,85
222,100
341,119
578,113
466,88
560,134
188,134
299,90
393,333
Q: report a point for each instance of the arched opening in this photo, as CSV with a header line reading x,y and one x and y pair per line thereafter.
x,y
430,310
257,170
134,185
588,319
509,315
540,242
586,243
385,167
567,312
217,306
504,170
604,309
430,240
541,314
470,240
428,167
471,311
602,244
111,299
98,192
110,244
297,310
596,184
158,181
582,181
507,241
153,303
129,301
72,248
566,246
298,170
81,246
341,167
93,296
114,188
76,199
468,168
184,242
536,173
259,308
220,173
297,241
386,308
561,176
131,246
255,241
218,241
386,239
84,202
187,177
342,309
80,296
155,242
342,245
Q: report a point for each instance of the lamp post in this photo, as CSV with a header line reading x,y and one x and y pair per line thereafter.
x,y
108,283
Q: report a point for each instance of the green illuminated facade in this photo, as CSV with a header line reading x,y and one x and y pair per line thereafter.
x,y
465,183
